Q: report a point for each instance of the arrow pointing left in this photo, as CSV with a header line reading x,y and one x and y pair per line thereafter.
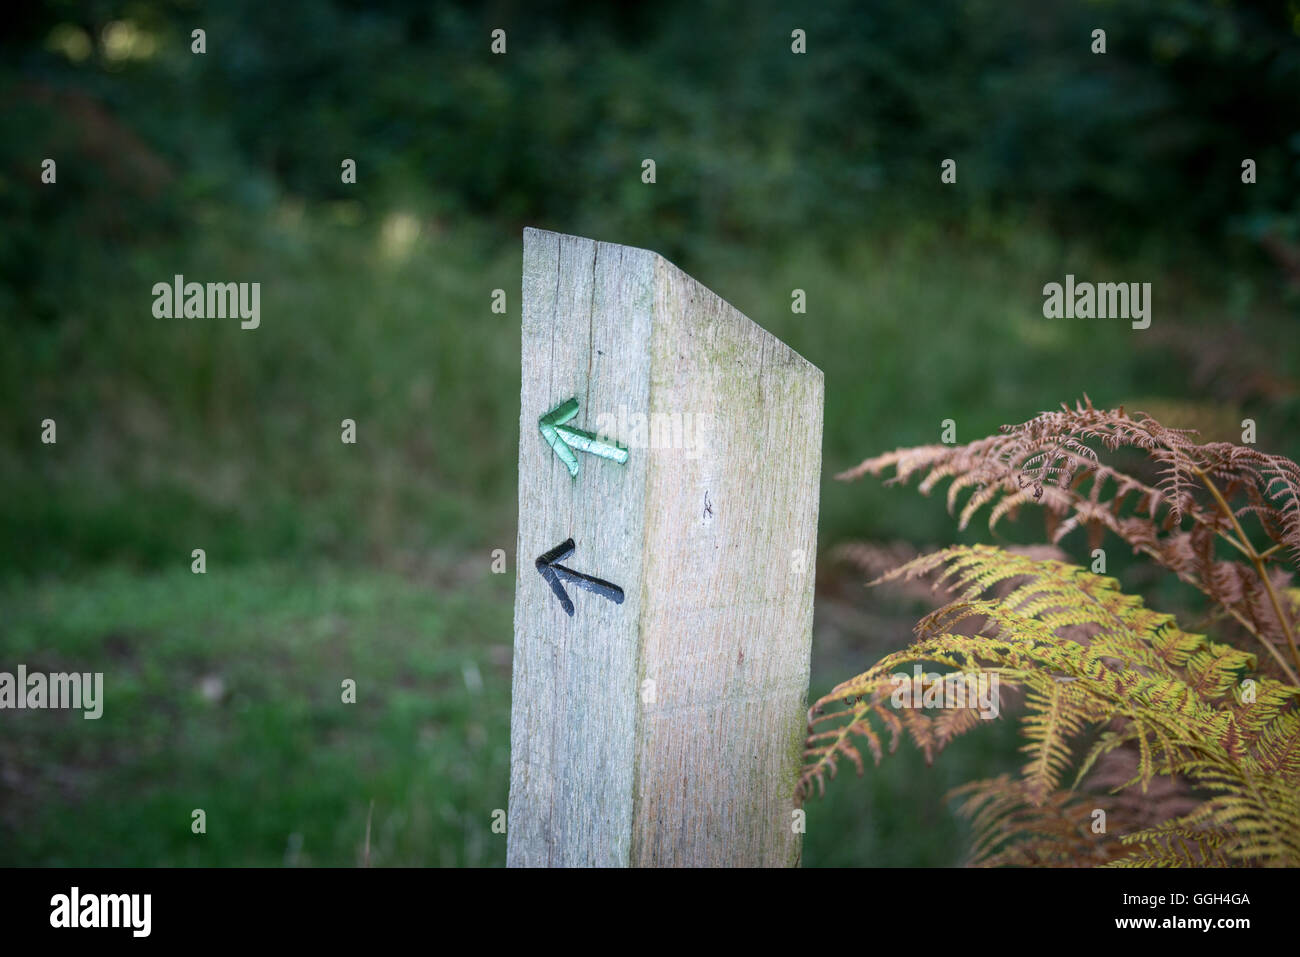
x,y
565,438
553,573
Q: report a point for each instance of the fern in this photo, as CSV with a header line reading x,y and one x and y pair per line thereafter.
x,y
1202,493
1191,746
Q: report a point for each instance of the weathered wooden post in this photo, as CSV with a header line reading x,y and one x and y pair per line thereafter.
x,y
669,461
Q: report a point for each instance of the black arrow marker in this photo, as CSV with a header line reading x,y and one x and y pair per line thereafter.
x,y
553,574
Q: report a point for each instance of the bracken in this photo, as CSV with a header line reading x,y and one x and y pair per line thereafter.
x,y
1189,748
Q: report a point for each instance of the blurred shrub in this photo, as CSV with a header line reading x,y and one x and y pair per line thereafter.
x,y
747,136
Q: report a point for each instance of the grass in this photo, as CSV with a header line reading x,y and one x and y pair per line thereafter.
x,y
223,692
328,561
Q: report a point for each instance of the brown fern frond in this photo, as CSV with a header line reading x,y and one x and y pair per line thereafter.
x,y
1014,829
1191,747
1203,494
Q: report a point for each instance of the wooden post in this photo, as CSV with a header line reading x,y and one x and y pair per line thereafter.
x,y
663,600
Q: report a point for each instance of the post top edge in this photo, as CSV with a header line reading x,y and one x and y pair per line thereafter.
x,y
534,234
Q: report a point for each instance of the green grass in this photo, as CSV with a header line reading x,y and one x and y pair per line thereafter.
x,y
285,771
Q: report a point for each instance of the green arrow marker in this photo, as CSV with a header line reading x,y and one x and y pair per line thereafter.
x,y
564,439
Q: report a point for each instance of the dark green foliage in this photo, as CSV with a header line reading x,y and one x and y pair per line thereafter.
x,y
775,172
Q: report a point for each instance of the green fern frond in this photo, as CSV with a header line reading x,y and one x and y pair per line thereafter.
x,y
1252,821
1091,661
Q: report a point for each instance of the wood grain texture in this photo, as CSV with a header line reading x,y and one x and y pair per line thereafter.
x,y
710,530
